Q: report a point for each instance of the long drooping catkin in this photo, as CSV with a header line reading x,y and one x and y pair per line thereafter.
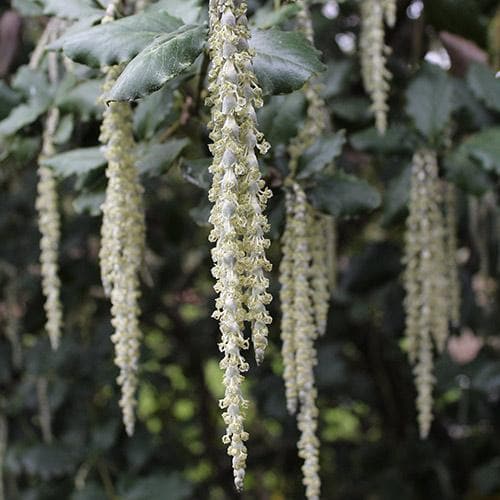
x,y
425,279
122,243
373,56
239,197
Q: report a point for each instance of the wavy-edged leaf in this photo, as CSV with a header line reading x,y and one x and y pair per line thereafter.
x,y
21,116
321,154
165,58
157,158
481,80
465,173
119,41
429,100
77,161
284,60
484,148
341,194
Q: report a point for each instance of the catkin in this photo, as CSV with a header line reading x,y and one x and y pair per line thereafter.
x,y
305,282
373,57
49,224
122,244
425,279
239,197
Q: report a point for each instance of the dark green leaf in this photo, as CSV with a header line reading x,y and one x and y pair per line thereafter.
x,y
465,173
284,60
119,41
429,100
343,195
397,138
352,109
337,77
152,111
280,118
155,486
168,56
27,7
484,148
196,172
481,79
321,154
76,161
158,158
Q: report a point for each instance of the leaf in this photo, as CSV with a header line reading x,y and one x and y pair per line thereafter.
x,y
341,194
168,56
89,202
77,161
201,212
82,99
337,78
33,84
196,172
159,157
481,79
429,100
64,129
465,173
280,118
397,138
155,486
8,99
352,109
187,10
73,9
48,461
119,41
152,111
484,148
266,17
21,116
284,60
320,154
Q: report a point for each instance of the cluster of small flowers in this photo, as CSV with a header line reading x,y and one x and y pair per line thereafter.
x,y
300,327
427,278
239,197
374,53
122,243
307,250
49,226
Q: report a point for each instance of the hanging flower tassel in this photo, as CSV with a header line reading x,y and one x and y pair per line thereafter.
x,y
239,197
122,244
374,53
425,280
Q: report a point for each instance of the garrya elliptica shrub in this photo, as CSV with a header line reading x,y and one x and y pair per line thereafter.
x,y
128,108
373,55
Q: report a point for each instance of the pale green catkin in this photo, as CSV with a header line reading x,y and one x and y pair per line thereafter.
x,y
425,279
373,57
122,244
49,224
239,197
304,280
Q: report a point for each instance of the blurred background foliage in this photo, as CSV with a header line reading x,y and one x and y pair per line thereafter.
x,y
60,410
